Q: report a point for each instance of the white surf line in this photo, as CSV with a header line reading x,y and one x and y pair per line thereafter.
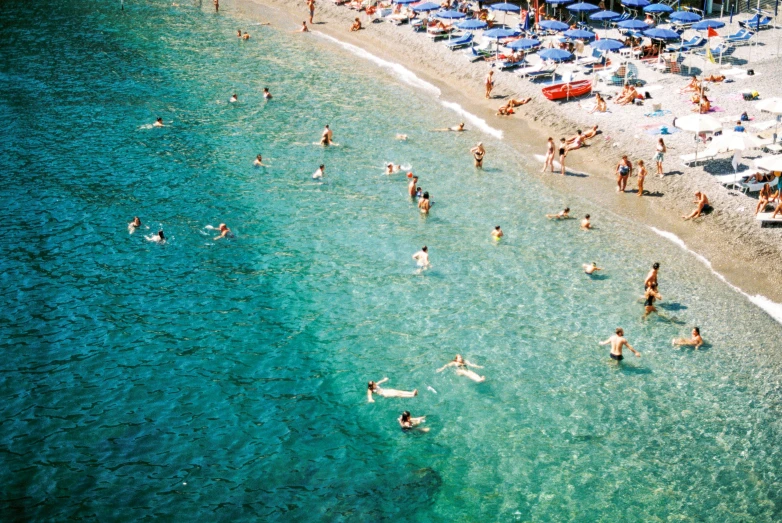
x,y
773,309
410,78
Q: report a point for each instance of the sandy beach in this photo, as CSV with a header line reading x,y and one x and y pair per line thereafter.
x,y
730,238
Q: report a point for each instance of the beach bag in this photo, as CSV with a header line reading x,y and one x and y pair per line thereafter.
x,y
647,95
750,72
657,107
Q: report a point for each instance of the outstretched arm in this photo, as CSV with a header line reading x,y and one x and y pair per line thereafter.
x,y
638,354
449,364
606,342
472,365
381,381
370,399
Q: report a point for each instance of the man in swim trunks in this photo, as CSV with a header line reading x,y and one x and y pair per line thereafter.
x,y
457,128
651,278
258,161
703,206
617,341
478,152
585,223
326,136
489,83
311,7
422,257
412,186
497,233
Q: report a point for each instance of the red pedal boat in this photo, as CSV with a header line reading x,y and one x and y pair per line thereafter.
x,y
568,90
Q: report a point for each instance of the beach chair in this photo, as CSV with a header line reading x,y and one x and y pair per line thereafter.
x,y
590,60
702,156
458,43
625,16
507,66
739,37
542,70
695,41
765,218
722,49
476,54
757,22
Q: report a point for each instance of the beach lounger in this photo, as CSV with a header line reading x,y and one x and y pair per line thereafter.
x,y
458,43
739,37
756,22
549,71
476,54
765,218
702,156
694,42
722,49
507,66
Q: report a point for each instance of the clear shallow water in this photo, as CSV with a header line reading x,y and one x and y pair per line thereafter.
x,y
203,380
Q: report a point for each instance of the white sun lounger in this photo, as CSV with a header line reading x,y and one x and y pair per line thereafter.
x,y
702,156
765,217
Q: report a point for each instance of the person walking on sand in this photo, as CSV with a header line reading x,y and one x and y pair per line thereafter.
x,y
617,342
489,82
374,388
623,170
478,152
651,278
497,233
311,7
696,341
641,176
562,154
549,161
411,187
659,156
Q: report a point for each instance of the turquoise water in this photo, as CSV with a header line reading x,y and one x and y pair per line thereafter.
x,y
210,381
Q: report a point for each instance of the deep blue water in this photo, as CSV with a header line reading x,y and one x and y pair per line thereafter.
x,y
204,380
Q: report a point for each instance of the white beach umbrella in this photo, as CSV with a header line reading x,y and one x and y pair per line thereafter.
x,y
773,106
735,142
698,123
770,163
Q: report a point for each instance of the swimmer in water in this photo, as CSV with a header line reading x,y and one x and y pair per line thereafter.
x,y
266,94
258,161
585,223
617,341
696,341
457,129
419,193
304,28
239,33
408,423
392,169
157,238
245,36
402,137
422,257
326,137
424,204
412,186
319,173
233,98
158,123
225,232
478,152
497,233
135,224
590,269
462,370
561,215
374,388
650,296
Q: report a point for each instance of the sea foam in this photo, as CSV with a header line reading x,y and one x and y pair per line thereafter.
x,y
772,308
410,78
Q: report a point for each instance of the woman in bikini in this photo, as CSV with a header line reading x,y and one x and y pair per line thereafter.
x,y
407,422
650,296
462,370
562,154
660,156
641,176
374,388
696,341
549,161
478,152
600,104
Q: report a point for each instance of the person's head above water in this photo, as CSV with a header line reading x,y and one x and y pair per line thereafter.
x,y
371,385
655,266
425,248
160,120
161,235
567,209
696,331
496,227
406,415
620,331
223,227
587,216
426,196
322,167
458,358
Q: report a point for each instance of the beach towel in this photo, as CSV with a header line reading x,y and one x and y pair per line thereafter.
x,y
716,109
655,114
658,130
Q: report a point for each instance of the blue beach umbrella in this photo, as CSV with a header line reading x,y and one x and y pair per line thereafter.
x,y
508,8
658,8
555,55
580,34
685,17
607,44
426,6
450,15
524,43
553,25
659,33
403,2
603,16
582,7
633,24
635,3
708,24
499,33
471,24
555,2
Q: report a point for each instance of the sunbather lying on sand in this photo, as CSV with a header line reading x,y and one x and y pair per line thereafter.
x,y
591,133
703,206
507,109
713,78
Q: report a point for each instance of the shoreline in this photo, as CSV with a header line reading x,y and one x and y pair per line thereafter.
x,y
729,240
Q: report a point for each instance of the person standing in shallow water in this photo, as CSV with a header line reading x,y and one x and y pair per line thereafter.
x,y
549,161
617,341
478,152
